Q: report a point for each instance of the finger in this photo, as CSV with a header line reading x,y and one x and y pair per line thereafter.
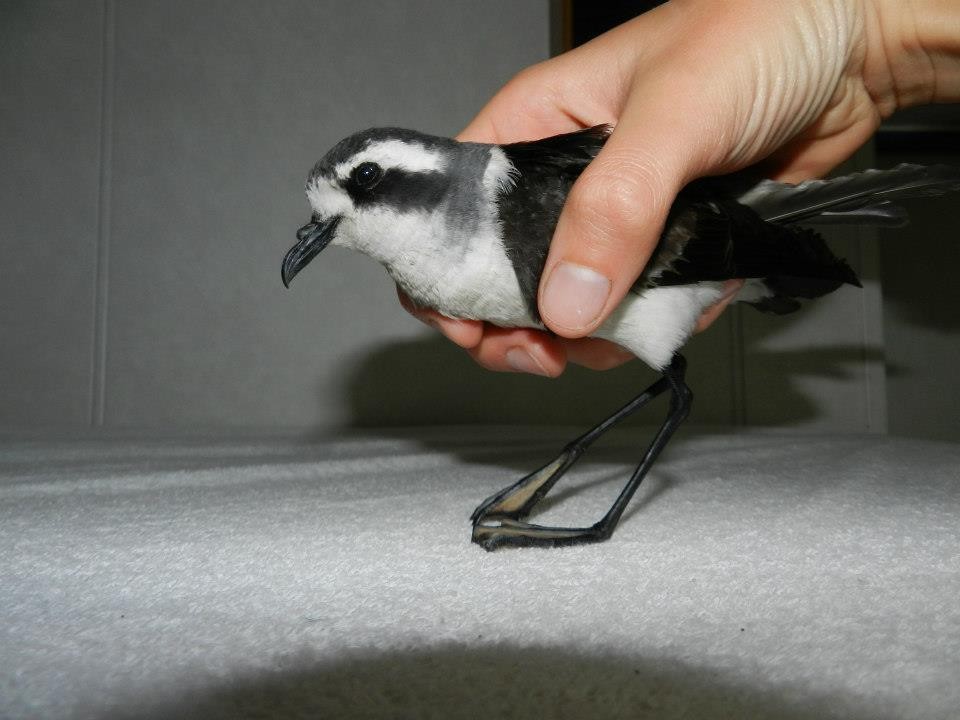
x,y
596,354
730,290
465,333
519,350
528,107
615,213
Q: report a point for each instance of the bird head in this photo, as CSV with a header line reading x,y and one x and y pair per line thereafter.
x,y
381,191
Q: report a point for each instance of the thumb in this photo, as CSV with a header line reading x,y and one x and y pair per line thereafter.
x,y
616,210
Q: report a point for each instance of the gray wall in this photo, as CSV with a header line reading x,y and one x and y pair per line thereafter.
x,y
921,311
154,154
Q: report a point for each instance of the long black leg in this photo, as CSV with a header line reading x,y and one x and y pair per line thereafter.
x,y
517,500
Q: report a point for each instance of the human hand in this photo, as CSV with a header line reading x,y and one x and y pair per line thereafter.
x,y
696,88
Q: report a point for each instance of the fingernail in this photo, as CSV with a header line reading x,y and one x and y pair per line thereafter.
x,y
574,296
522,361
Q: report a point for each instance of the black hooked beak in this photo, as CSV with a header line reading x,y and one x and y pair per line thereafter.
x,y
311,239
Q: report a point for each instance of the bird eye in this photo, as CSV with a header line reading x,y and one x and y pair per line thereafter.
x,y
367,174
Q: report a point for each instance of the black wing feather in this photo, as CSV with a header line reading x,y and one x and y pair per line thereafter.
x,y
715,231
569,153
864,196
719,239
544,172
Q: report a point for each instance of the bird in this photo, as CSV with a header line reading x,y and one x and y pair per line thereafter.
x,y
464,228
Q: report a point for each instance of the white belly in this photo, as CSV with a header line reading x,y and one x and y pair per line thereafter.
x,y
473,283
653,326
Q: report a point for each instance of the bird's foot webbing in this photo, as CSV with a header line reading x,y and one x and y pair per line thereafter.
x,y
507,508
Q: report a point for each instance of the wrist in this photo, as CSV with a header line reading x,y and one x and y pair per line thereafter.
x,y
916,57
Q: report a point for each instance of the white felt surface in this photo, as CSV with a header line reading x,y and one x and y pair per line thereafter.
x,y
760,576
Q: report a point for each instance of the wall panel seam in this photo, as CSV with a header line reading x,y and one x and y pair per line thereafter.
x,y
101,285
738,380
864,339
874,368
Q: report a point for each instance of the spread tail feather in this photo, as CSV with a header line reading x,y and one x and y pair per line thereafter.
x,y
864,198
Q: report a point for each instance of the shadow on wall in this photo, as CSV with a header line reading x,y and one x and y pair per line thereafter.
x,y
429,381
505,682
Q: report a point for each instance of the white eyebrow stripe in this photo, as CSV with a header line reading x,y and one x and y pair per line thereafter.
x,y
395,154
328,199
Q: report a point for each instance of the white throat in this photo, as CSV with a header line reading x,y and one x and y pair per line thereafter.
x,y
456,266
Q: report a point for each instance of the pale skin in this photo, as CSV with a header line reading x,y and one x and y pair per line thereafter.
x,y
696,88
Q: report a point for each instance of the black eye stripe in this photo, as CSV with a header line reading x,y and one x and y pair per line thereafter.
x,y
401,189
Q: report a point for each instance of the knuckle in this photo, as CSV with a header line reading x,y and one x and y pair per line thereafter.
x,y
616,199
523,77
531,74
527,82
